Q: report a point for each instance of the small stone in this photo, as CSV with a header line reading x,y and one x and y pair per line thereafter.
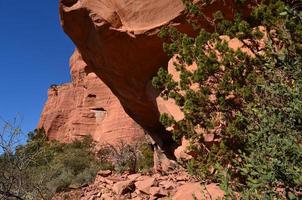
x,y
104,173
158,192
154,191
74,186
109,182
157,176
180,154
115,179
123,187
182,178
168,165
179,183
145,184
162,178
168,185
211,191
209,137
133,177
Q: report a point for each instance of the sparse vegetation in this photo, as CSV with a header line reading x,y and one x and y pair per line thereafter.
x,y
40,168
123,157
249,98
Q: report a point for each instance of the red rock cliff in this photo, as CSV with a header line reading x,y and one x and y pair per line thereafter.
x,y
118,41
86,107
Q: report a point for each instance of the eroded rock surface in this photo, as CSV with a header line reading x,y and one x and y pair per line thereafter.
x,y
86,107
118,40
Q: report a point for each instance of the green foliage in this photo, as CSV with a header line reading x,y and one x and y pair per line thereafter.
x,y
123,157
53,166
163,79
45,167
145,160
256,115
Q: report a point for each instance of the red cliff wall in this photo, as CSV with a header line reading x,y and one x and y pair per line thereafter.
x,y
86,107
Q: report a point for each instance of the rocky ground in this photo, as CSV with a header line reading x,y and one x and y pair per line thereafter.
x,y
175,185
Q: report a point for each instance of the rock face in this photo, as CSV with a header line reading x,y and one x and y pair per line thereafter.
x,y
86,107
118,40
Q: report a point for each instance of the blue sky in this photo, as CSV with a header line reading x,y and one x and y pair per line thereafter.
x,y
34,53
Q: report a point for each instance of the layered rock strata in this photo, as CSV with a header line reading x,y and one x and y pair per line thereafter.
x,y
118,40
86,106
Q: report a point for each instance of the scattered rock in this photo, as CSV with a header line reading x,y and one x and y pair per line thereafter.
x,y
73,186
109,182
181,153
133,177
144,184
168,185
158,192
115,179
191,190
209,137
123,187
188,191
182,178
168,165
163,164
142,187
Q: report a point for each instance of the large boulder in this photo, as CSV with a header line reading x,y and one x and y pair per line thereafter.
x,y
86,106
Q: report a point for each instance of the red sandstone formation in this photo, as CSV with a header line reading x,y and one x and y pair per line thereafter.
x,y
118,40
86,107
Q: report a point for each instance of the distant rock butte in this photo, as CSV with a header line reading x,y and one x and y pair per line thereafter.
x,y
86,107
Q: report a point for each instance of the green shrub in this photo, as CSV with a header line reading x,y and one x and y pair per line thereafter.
x,y
256,116
145,160
53,166
123,157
